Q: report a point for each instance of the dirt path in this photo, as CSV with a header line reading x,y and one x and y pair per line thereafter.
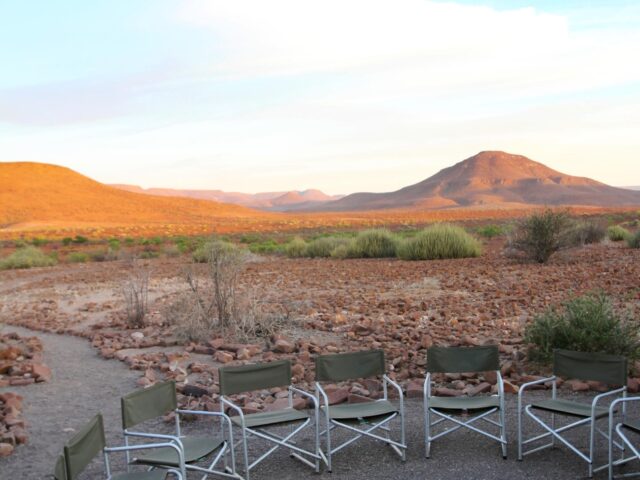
x,y
82,385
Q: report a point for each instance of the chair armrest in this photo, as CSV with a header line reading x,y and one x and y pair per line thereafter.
x,y
398,388
530,384
305,394
160,436
426,389
235,408
322,397
223,416
597,398
181,474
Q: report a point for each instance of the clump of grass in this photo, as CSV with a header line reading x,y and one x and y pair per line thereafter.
x,y
66,241
79,239
296,248
585,232
490,231
438,242
39,242
634,240
324,246
617,233
78,257
27,257
171,251
375,243
587,324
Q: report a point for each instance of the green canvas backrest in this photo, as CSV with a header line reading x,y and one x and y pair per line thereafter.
x,y
83,447
463,359
599,367
349,366
59,472
255,376
148,403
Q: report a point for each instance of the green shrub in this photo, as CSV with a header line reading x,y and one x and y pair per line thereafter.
x,y
27,257
587,324
440,241
634,240
78,257
490,231
114,244
129,242
375,243
80,239
324,246
39,242
616,233
541,235
20,244
265,246
585,232
203,253
66,241
147,254
296,248
341,251
157,241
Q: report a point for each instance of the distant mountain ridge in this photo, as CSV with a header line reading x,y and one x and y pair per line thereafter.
x,y
271,201
496,179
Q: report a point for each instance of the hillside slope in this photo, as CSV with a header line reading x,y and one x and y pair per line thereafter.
x,y
496,179
38,192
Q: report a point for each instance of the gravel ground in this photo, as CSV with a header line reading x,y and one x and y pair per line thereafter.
x,y
84,384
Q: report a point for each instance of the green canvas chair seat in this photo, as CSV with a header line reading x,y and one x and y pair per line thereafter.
x,y
351,411
262,419
568,407
89,442
446,410
158,400
585,366
363,420
195,449
464,403
264,376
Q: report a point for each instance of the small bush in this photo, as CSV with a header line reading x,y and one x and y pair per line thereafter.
x,y
129,242
541,235
324,246
77,257
114,244
634,240
66,241
136,295
148,254
39,242
585,233
171,251
587,324
265,246
616,233
490,231
100,255
376,243
438,242
80,239
27,257
296,248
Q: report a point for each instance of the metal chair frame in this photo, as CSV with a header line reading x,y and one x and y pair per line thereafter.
x,y
555,433
619,430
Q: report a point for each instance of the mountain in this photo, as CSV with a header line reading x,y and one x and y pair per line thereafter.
x,y
495,179
38,192
272,201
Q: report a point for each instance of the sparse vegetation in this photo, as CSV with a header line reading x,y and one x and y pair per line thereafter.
x,y
585,232
588,324
296,248
438,242
77,257
325,246
136,295
375,243
490,231
541,235
27,257
617,233
634,240
79,239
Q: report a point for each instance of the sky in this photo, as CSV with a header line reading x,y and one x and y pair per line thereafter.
x,y
340,95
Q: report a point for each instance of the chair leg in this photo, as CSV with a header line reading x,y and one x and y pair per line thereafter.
x,y
329,445
503,433
427,427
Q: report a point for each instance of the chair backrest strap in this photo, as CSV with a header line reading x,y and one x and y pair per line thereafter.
x,y
83,447
599,367
255,376
148,403
463,359
349,366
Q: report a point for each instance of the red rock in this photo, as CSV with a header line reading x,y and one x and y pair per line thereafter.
x,y
510,387
355,398
284,346
577,385
480,388
338,395
223,357
633,385
297,370
6,449
447,392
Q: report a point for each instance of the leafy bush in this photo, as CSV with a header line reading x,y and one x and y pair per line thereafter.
x,y
490,231
78,257
541,235
585,232
27,257
616,233
296,248
265,246
129,242
375,243
634,240
114,244
324,246
440,241
66,241
587,324
80,239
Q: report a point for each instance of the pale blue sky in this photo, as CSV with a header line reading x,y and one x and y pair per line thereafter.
x,y
341,95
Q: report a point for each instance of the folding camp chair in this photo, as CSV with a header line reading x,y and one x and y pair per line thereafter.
x,y
622,429
371,416
89,441
461,360
159,399
260,376
609,369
